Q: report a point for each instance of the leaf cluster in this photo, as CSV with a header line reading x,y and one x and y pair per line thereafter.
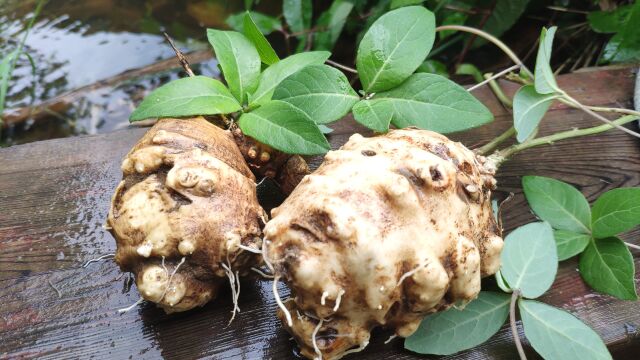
x,y
283,102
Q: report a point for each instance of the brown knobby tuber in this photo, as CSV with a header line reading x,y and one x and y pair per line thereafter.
x,y
185,216
387,230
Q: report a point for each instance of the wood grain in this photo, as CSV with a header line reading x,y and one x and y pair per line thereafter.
x,y
54,197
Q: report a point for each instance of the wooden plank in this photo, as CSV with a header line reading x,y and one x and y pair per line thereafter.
x,y
54,197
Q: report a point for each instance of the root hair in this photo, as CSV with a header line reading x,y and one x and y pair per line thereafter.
x,y
106,256
390,338
323,298
338,298
249,249
166,288
262,273
276,295
234,281
410,273
265,257
313,340
356,350
129,308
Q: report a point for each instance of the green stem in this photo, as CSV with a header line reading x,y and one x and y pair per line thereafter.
x,y
575,103
500,156
490,146
497,90
485,35
602,109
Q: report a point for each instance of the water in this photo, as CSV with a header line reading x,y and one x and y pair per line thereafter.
x,y
75,43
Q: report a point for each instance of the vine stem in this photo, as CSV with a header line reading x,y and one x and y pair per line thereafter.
x,y
633,246
493,77
500,156
493,144
575,103
514,328
340,66
494,40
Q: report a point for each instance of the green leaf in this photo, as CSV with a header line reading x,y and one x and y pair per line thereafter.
x,y
556,334
325,129
607,266
393,48
607,22
570,244
529,259
427,101
529,108
504,15
279,71
297,13
472,70
400,3
333,20
5,77
545,82
375,115
625,45
433,67
502,283
285,128
239,60
558,203
196,95
616,211
266,52
264,23
451,331
320,91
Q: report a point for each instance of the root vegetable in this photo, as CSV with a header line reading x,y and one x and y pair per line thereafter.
x,y
386,231
185,216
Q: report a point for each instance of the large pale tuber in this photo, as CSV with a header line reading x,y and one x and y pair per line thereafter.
x,y
387,230
186,216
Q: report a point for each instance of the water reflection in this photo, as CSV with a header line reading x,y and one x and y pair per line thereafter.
x,y
77,43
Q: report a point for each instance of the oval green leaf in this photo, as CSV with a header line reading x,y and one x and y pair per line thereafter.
x,y
196,95
623,46
451,331
394,46
570,244
528,109
607,266
502,283
284,127
265,24
333,21
255,35
545,82
529,259
375,115
239,60
558,203
297,13
279,71
616,211
556,334
427,101
321,91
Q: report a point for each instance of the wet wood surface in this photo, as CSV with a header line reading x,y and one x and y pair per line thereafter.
x,y
54,198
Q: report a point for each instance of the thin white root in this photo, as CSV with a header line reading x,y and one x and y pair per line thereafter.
x,y
313,340
249,249
265,257
234,281
632,246
129,308
390,338
55,288
262,273
409,274
276,295
324,298
356,350
107,256
338,299
166,288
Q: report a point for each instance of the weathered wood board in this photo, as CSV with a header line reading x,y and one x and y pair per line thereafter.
x,y
54,197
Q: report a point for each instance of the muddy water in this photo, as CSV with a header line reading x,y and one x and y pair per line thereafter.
x,y
79,42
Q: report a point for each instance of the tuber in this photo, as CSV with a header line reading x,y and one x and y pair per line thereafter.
x,y
185,216
387,230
